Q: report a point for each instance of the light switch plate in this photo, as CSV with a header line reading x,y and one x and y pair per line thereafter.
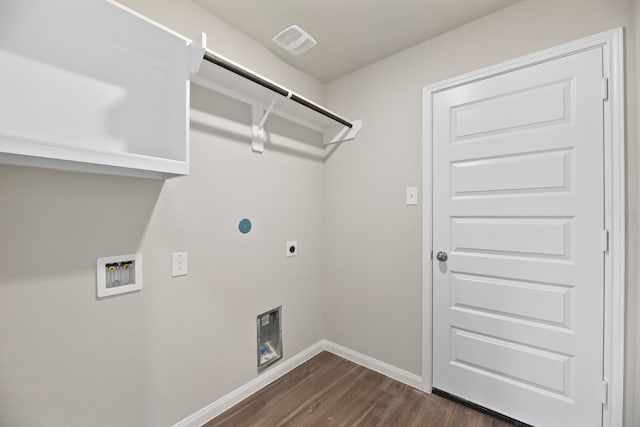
x,y
412,196
180,264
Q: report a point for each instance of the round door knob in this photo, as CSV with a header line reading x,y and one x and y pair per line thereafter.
x,y
442,256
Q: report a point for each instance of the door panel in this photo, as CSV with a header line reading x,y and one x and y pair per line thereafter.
x,y
518,204
538,172
535,237
546,104
527,365
535,302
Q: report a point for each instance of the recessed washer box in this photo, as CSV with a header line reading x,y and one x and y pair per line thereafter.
x,y
269,338
118,274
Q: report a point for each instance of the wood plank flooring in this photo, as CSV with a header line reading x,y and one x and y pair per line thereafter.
x,y
331,391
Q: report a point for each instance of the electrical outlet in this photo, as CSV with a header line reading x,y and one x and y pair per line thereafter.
x,y
292,248
180,264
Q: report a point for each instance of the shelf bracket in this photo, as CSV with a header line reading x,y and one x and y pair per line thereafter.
x,y
339,133
198,48
258,118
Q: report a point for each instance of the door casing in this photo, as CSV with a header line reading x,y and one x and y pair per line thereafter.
x,y
612,44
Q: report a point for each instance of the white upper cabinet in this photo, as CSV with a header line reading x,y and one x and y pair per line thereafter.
x,y
89,85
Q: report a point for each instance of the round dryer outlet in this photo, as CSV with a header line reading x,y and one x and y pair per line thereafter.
x,y
292,248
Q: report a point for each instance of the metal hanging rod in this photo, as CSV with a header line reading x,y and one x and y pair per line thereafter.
x,y
214,59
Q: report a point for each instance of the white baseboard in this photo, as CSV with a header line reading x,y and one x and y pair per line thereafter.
x,y
216,408
227,401
386,369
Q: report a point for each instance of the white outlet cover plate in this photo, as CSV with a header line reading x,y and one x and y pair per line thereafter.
x,y
101,276
180,264
293,244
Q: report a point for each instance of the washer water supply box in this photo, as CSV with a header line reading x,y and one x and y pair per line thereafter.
x,y
118,274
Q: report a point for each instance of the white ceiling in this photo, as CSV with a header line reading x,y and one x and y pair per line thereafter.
x,y
350,33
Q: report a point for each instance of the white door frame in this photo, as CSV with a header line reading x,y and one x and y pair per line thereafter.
x,y
614,188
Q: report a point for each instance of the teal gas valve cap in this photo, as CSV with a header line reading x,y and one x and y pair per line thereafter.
x,y
244,226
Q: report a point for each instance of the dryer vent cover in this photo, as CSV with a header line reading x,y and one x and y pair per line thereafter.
x,y
294,40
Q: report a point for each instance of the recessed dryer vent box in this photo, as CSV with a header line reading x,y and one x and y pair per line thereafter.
x,y
119,274
269,338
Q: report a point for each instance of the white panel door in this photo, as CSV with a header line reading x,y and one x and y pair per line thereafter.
x,y
518,206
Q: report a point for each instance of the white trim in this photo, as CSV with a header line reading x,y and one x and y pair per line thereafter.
x,y
615,219
614,158
216,408
386,369
427,247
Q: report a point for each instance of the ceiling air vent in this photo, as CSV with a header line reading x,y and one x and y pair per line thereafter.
x,y
294,40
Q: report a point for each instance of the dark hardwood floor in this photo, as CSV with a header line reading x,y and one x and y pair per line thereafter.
x,y
331,391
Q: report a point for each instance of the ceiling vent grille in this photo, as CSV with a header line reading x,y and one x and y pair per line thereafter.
x,y
294,40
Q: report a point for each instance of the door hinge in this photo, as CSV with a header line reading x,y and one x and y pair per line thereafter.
x,y
605,241
431,255
605,392
605,89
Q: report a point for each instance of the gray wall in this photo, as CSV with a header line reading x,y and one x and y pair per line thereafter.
x,y
373,289
154,357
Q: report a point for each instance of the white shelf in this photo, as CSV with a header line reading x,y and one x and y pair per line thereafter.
x,y
243,84
89,85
